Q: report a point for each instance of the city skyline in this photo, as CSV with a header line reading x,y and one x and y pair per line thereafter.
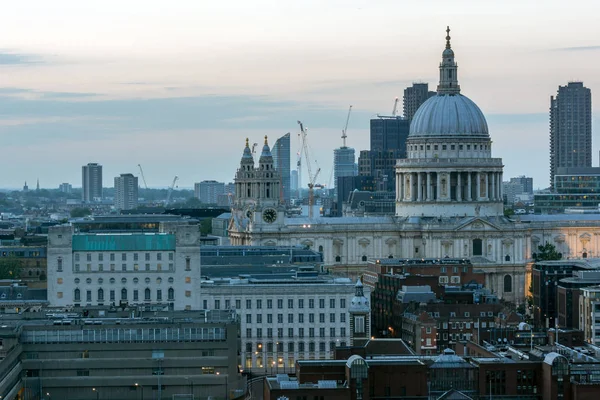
x,y
153,88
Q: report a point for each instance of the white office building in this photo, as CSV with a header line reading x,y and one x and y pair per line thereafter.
x,y
152,270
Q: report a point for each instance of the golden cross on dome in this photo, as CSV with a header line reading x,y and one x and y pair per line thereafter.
x,y
448,37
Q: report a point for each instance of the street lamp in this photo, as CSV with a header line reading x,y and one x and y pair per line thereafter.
x,y
48,395
97,393
137,385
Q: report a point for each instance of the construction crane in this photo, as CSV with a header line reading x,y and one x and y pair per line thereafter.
x,y
143,178
344,136
170,192
311,178
395,110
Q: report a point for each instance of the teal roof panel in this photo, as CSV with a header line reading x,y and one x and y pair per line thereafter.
x,y
124,242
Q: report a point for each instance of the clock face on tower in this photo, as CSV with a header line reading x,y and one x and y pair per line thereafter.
x,y
269,215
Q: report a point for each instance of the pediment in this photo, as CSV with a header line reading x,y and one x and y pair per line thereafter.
x,y
391,241
338,242
585,237
307,242
364,241
560,238
477,225
270,243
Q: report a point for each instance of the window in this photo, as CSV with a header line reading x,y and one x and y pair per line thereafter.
x,y
301,318
77,295
290,332
321,303
477,247
124,267
158,294
248,332
123,294
188,266
259,318
290,347
238,304
269,332
88,257
290,303
112,256
259,304
311,346
188,279
269,303
332,332
301,332
359,324
332,317
342,303
290,318
280,318
100,294
311,332
321,332
322,318
269,318
428,329
147,257
259,333
301,347
147,294
170,256
59,264
300,303
112,295
311,318
218,305
100,267
228,304
343,318
136,296
88,296
311,303
507,284
331,303
279,334
248,304
248,318
158,256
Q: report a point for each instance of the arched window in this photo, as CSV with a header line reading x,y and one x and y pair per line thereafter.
x,y
391,256
77,295
364,258
584,255
31,272
477,247
147,294
507,284
123,294
320,249
507,258
338,259
100,294
171,294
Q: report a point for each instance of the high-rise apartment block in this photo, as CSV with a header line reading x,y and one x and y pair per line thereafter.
x,y
344,164
570,128
126,192
91,182
414,96
65,187
282,163
294,181
209,191
524,181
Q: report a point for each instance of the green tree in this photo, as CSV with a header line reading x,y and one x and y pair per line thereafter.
x,y
80,212
547,252
206,226
10,267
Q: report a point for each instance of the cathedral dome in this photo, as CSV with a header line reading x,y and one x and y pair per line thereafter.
x,y
448,114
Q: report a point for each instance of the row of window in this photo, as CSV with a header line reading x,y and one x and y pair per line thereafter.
x,y
124,267
112,295
279,302
292,332
135,280
124,257
281,347
291,318
445,147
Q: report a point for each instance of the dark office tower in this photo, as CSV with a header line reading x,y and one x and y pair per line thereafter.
x,y
91,182
281,162
389,133
570,128
414,96
344,163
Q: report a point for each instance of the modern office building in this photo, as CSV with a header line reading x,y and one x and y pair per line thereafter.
x,y
414,96
159,270
91,183
389,133
589,318
344,164
575,189
208,192
282,162
285,319
126,192
106,353
570,128
525,181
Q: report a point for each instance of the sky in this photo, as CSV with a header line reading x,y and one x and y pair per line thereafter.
x,y
177,86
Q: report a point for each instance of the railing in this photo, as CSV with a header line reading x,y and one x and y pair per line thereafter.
x,y
492,162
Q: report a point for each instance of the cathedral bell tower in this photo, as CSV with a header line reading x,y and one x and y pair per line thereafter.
x,y
360,316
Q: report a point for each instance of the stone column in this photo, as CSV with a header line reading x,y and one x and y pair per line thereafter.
x,y
500,180
429,186
493,196
458,186
438,185
469,176
477,186
411,190
398,187
487,186
419,186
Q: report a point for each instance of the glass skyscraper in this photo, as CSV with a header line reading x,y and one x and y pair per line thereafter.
x,y
282,163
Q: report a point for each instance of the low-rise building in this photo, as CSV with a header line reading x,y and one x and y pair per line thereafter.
x,y
589,317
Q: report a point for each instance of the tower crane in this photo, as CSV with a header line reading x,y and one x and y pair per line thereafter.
x,y
311,178
170,192
395,110
344,136
143,178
